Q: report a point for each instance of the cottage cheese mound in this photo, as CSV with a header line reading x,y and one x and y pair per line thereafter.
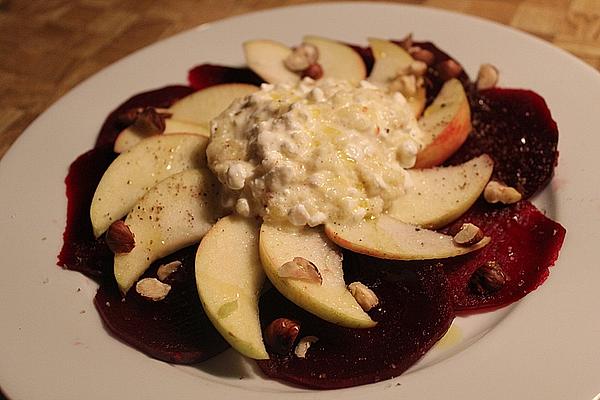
x,y
314,152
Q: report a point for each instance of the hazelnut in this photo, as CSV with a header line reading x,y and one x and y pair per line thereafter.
x,y
314,71
301,269
487,279
280,335
364,296
303,345
152,289
302,57
423,55
496,192
165,270
119,238
449,69
468,235
487,77
150,122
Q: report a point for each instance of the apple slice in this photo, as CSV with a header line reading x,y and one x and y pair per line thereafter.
x,y
202,106
129,137
132,173
389,60
175,213
329,300
265,58
389,238
446,123
338,60
441,195
229,279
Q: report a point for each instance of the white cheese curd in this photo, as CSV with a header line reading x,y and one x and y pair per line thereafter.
x,y
314,152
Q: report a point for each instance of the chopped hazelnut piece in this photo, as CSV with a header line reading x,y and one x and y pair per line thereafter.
x,y
487,279
449,69
150,122
303,345
280,335
165,270
152,289
119,238
364,296
302,57
468,235
487,77
301,269
496,192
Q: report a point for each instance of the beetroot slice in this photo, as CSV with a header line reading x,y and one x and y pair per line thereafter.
x,y
414,313
516,129
206,75
174,329
163,98
525,244
81,251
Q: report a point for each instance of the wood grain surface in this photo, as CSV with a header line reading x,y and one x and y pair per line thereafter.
x,y
48,46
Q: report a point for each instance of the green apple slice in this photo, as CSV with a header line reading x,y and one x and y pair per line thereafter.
x,y
441,195
389,60
175,213
389,238
129,137
266,59
202,106
338,60
132,173
329,300
229,283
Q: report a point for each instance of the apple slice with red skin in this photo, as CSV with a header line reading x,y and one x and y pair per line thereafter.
x,y
446,123
129,136
391,239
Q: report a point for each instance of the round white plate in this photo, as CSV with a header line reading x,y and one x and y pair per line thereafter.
x,y
546,347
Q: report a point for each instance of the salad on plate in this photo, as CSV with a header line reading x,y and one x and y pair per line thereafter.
x,y
326,210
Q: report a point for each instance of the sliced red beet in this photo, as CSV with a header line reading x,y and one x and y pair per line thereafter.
x,y
516,129
525,244
206,75
81,251
414,313
163,98
175,329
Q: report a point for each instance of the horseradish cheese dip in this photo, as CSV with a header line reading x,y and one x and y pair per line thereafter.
x,y
314,152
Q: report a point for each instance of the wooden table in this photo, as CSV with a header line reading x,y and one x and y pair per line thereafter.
x,y
48,46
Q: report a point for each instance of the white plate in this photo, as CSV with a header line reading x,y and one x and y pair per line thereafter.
x,y
546,347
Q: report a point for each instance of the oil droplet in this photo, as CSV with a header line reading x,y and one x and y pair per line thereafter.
x,y
450,339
